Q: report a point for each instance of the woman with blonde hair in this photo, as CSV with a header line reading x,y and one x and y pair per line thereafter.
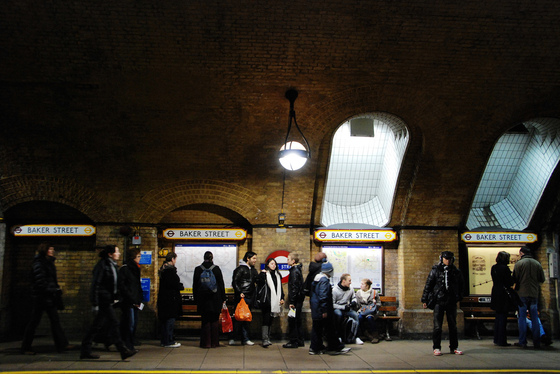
x,y
367,300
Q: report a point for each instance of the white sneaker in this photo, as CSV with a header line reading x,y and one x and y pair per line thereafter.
x,y
231,342
248,342
359,341
174,345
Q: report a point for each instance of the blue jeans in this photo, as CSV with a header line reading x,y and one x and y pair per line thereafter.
x,y
529,303
129,321
339,315
167,331
367,323
241,328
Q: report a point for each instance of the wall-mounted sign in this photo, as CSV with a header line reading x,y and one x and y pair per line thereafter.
x,y
145,258
53,230
498,237
330,235
281,258
205,234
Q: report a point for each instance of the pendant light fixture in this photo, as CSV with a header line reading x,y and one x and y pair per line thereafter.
x,y
293,155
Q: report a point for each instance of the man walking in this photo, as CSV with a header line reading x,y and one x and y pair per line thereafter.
x,y
442,292
528,274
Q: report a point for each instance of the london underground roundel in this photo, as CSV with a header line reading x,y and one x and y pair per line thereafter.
x,y
281,258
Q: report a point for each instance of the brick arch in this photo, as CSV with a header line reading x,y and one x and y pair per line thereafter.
x,y
163,200
19,189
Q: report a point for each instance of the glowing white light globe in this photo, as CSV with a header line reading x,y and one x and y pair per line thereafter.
x,y
293,155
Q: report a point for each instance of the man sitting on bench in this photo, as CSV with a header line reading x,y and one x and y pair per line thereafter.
x,y
344,302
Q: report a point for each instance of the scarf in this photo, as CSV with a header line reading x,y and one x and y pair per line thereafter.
x,y
275,292
342,287
366,297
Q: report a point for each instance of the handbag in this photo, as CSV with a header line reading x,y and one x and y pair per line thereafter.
x,y
242,312
513,296
227,323
260,300
368,310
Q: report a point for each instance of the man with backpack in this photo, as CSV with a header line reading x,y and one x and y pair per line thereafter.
x,y
210,295
344,303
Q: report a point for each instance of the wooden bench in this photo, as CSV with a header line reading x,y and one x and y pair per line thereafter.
x,y
387,312
477,309
190,312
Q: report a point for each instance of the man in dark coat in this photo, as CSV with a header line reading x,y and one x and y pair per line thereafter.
x,y
322,313
528,275
46,298
130,288
243,283
104,294
296,296
209,302
442,292
314,269
170,303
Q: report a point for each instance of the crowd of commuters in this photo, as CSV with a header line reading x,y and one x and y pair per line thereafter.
x,y
339,313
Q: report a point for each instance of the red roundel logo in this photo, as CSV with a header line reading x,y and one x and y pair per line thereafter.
x,y
281,258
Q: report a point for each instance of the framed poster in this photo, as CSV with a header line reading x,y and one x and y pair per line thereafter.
x,y
360,261
481,260
190,256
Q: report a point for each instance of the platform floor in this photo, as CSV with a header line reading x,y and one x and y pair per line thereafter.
x,y
397,355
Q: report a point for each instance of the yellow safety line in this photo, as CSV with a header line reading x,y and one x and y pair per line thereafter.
x,y
285,371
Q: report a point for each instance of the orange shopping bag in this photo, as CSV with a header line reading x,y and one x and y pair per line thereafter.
x,y
242,312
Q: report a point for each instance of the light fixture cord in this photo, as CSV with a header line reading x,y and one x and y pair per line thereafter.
x,y
293,115
283,186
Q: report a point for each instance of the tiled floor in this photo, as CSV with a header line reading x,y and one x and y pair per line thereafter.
x,y
395,355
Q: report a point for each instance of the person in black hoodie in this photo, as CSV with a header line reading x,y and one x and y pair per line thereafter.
x,y
314,269
442,292
130,289
209,301
295,297
170,303
104,294
46,298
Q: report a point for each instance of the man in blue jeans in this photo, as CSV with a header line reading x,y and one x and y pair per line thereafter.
x,y
528,275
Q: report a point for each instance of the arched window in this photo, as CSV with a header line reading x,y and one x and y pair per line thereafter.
x,y
366,157
516,175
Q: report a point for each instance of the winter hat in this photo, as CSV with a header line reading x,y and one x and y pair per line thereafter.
x,y
327,269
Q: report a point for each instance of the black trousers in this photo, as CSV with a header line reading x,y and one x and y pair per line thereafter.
x,y
450,310
295,331
106,318
41,305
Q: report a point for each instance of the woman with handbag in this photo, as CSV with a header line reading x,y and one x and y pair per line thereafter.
x,y
270,297
367,300
503,280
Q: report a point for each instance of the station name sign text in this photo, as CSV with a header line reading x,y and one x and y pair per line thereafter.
x,y
53,230
326,235
499,237
205,234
